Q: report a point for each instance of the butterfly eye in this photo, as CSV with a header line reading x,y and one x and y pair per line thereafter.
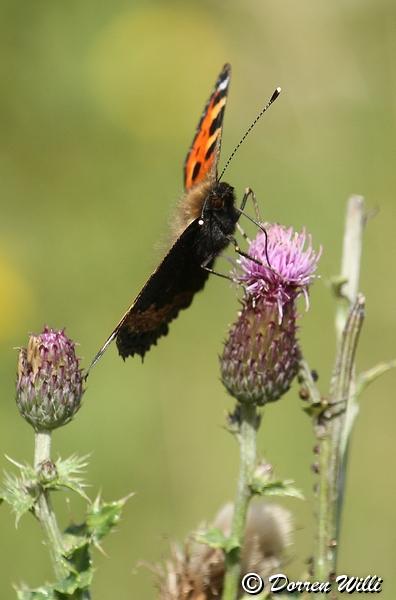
x,y
218,203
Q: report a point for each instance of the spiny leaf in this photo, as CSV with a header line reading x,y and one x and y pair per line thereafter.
x,y
264,487
68,475
50,592
75,583
102,517
20,493
72,466
43,593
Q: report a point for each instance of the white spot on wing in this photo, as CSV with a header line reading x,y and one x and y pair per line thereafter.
x,y
223,85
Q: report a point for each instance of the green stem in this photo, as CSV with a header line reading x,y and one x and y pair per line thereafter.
x,y
350,262
247,448
331,425
44,510
332,458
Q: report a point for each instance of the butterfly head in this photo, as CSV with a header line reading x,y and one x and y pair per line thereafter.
x,y
220,205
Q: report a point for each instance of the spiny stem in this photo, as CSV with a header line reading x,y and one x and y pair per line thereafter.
x,y
44,510
247,446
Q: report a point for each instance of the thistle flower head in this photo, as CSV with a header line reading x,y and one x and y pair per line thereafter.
x,y
261,355
49,380
292,266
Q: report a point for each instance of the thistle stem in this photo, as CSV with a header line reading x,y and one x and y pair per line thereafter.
x,y
43,509
247,449
333,459
331,425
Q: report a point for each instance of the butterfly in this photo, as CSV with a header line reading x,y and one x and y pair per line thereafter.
x,y
204,224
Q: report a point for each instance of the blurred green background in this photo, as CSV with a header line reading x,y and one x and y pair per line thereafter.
x,y
98,106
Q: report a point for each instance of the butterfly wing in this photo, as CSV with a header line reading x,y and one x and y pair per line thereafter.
x,y
202,158
170,289
179,276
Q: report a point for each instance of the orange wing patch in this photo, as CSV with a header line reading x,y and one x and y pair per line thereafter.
x,y
202,158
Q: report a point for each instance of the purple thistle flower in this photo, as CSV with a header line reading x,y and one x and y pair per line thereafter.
x,y
291,270
49,380
261,356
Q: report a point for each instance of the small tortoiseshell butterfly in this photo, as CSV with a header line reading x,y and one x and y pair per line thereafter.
x,y
204,224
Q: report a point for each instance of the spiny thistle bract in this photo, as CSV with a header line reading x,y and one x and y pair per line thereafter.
x,y
49,380
261,355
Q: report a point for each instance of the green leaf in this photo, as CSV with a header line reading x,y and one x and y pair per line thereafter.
x,y
214,538
49,592
73,587
43,593
79,558
69,473
367,377
74,583
75,537
20,493
102,517
264,487
78,540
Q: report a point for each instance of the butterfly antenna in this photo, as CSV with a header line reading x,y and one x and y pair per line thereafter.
x,y
249,129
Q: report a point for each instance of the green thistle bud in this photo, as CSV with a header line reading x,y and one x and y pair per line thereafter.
x,y
49,380
261,356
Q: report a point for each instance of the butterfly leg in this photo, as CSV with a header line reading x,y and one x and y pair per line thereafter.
x,y
245,236
242,253
249,193
213,272
243,233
